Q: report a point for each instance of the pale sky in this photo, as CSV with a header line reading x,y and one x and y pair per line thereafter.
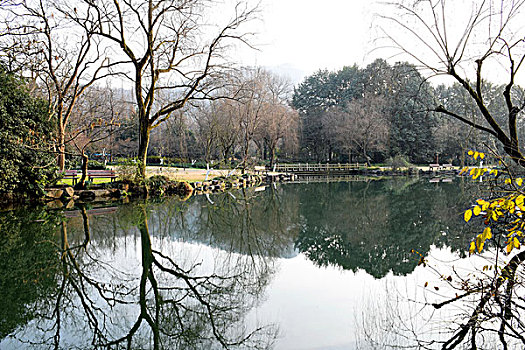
x,y
302,36
299,37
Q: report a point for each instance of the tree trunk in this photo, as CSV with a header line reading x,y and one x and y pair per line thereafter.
x,y
367,158
272,156
245,155
85,160
61,138
143,149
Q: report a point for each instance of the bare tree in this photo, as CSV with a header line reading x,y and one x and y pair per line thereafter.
x,y
491,39
207,124
227,129
279,122
40,39
361,126
168,46
96,119
251,102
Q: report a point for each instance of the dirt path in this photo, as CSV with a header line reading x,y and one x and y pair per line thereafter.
x,y
182,174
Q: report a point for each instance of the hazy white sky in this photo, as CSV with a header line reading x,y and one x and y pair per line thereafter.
x,y
303,36
298,37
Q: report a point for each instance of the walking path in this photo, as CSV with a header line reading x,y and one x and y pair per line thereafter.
x,y
185,174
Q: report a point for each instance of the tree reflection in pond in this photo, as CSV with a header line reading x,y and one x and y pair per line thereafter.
x,y
27,264
374,225
120,283
185,275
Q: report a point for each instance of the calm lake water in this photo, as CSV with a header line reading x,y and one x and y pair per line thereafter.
x,y
290,266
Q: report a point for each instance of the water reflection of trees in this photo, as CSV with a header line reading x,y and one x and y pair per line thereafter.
x,y
174,274
120,280
27,268
375,225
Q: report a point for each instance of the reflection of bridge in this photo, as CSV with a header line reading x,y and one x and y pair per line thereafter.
x,y
330,178
318,168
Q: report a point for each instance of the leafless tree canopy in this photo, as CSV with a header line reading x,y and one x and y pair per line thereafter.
x,y
165,48
470,42
40,40
168,46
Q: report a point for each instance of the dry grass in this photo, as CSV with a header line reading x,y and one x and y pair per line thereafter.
x,y
180,174
177,174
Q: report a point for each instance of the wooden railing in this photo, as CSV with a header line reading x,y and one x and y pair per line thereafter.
x,y
316,167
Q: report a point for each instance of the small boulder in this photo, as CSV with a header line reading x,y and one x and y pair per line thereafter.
x,y
69,192
54,193
56,204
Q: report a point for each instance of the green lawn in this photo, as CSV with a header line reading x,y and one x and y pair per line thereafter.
x,y
95,181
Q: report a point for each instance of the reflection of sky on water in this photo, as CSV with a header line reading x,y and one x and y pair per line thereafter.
x,y
314,307
327,307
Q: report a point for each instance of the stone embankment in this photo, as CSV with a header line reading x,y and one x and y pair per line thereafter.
x,y
157,186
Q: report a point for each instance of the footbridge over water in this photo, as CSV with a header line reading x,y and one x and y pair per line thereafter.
x,y
319,168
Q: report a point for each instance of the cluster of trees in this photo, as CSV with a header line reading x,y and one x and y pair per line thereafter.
x,y
253,119
355,114
179,94
382,110
183,99
366,114
167,51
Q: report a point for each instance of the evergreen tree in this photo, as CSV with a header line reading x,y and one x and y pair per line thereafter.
x,y
26,133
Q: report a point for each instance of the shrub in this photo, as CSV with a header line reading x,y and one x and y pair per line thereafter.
x,y
399,161
128,170
26,136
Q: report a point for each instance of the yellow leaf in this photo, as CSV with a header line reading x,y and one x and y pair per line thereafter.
x,y
476,154
516,242
480,242
464,170
472,248
507,181
487,233
477,210
480,248
520,200
472,171
519,181
482,155
468,215
470,152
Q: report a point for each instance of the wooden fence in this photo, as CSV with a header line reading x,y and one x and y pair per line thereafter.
x,y
312,168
